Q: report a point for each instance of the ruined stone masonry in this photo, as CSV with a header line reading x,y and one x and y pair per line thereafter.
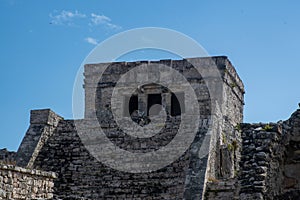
x,y
239,160
21,183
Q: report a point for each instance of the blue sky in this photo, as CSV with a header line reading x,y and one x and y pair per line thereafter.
x,y
43,44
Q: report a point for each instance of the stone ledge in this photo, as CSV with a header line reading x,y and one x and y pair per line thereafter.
x,y
28,171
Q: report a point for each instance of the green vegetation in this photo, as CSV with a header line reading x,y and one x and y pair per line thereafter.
x,y
232,85
224,138
234,144
268,127
238,127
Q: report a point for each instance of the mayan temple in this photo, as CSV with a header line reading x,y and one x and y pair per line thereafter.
x,y
218,155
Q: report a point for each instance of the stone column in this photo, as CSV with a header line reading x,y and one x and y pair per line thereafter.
x,y
166,102
142,105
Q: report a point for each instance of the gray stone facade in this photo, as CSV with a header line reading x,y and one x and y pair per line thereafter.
x,y
225,160
21,183
270,167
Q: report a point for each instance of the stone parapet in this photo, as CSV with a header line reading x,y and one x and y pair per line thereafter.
x,y
20,183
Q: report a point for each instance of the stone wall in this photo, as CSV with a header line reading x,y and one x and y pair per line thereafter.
x,y
18,183
82,176
259,162
221,190
271,160
269,163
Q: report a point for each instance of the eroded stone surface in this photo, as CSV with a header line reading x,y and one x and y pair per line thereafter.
x,y
21,183
244,161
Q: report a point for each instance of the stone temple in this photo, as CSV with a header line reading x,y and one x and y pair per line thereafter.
x,y
225,159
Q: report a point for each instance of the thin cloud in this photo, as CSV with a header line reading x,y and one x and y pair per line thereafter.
x,y
91,40
91,21
99,19
103,20
66,17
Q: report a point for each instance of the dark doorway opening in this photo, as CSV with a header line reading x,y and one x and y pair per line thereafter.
x,y
130,105
177,104
133,104
152,100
